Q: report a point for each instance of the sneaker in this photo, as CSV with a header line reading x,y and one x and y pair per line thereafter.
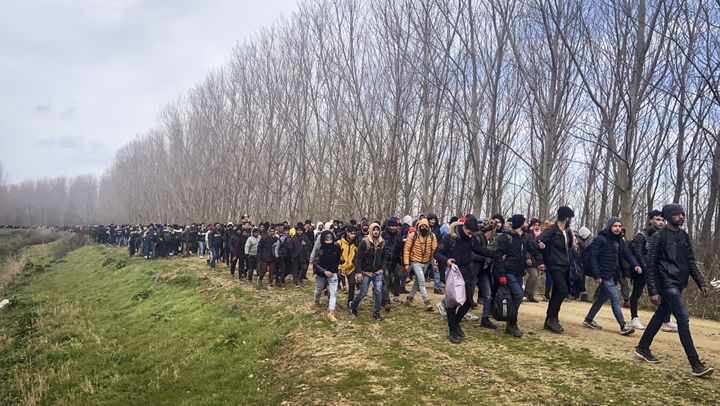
x,y
377,316
592,324
700,369
353,311
637,324
513,330
486,323
627,330
471,317
440,308
428,306
553,326
646,355
669,327
453,338
460,333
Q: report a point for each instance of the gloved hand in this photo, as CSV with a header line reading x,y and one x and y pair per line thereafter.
x,y
503,280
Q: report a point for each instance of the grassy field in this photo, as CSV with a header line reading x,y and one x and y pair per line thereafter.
x,y
97,328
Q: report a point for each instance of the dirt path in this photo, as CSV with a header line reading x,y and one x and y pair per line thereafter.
x,y
411,358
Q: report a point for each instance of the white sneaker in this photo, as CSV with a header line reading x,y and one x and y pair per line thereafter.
x,y
636,324
471,317
441,308
669,327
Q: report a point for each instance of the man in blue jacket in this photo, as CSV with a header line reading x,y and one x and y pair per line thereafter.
x,y
606,251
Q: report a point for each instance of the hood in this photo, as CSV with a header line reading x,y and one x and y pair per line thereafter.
x,y
369,238
317,226
422,223
408,220
584,233
453,228
324,234
328,225
612,220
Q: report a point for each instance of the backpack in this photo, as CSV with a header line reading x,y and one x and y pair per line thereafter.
x,y
454,288
503,307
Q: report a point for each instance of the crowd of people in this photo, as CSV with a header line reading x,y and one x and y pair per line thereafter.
x,y
491,255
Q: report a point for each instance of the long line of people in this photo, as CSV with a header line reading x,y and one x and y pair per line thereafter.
x,y
494,257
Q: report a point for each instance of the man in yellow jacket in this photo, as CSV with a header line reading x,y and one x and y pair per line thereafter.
x,y
348,246
417,254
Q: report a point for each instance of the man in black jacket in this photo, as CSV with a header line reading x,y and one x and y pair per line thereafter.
x,y
393,252
556,242
511,263
266,257
460,248
606,252
671,262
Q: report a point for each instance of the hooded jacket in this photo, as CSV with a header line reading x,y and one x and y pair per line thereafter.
x,y
328,257
265,249
370,256
349,249
251,245
606,251
419,248
671,262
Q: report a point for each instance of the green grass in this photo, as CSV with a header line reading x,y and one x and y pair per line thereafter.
x,y
97,328
89,331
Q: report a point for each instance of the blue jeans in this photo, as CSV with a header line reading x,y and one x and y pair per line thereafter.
x,y
606,291
485,293
671,303
419,283
377,291
201,248
514,283
435,275
332,288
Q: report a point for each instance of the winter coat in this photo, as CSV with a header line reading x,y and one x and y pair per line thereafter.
x,y
671,261
370,256
251,246
556,254
265,250
463,249
419,248
515,249
328,257
606,251
349,250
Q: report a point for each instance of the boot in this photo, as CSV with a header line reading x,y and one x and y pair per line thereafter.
x,y
428,306
553,325
409,301
331,316
513,329
486,323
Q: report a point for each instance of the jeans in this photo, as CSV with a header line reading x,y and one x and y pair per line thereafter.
x,y
435,273
671,303
485,293
201,248
332,287
514,283
606,291
377,280
213,257
559,291
419,283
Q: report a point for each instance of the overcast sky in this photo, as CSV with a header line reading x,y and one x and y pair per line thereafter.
x,y
79,78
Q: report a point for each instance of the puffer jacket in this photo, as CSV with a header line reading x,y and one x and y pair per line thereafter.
x,y
419,248
606,251
349,249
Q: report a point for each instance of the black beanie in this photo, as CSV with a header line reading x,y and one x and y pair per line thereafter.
x,y
471,223
498,217
517,221
564,213
654,213
671,209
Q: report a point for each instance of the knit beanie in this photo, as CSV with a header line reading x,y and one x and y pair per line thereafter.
x,y
672,209
564,213
517,221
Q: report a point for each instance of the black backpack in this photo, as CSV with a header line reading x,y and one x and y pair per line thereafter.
x,y
503,307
